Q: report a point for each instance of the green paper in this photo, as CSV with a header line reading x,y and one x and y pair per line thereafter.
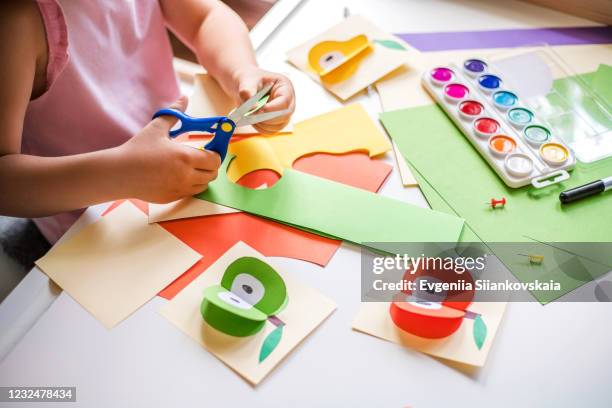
x,y
334,209
394,45
270,343
601,82
457,180
250,291
480,332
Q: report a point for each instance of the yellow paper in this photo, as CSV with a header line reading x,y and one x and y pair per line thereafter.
x,y
306,309
344,130
365,67
374,319
115,265
403,88
208,99
406,175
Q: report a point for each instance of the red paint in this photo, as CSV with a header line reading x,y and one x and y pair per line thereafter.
x,y
471,108
487,125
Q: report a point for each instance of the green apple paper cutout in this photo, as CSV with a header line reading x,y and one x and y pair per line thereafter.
x,y
251,292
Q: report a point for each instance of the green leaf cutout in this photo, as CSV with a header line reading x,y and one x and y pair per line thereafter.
x,y
259,105
394,45
270,343
480,331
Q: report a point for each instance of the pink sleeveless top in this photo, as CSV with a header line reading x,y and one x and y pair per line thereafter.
x,y
109,70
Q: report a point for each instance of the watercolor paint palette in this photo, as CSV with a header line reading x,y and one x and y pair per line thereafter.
x,y
518,144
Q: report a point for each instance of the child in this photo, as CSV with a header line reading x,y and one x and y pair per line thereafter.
x,y
79,81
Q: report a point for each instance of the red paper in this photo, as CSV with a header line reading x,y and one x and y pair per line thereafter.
x,y
213,235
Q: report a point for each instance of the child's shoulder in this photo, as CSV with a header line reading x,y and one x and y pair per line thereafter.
x,y
23,38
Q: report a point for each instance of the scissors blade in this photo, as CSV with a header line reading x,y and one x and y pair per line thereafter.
x,y
241,110
261,117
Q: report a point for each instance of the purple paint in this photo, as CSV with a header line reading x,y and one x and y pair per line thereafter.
x,y
475,66
469,40
442,74
456,91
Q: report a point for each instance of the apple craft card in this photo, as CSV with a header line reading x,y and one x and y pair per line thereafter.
x,y
350,56
444,324
247,312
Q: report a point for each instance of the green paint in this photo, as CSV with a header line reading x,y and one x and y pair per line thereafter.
x,y
392,44
270,343
480,332
333,209
455,179
250,291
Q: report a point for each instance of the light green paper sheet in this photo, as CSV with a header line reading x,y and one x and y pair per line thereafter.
x,y
457,180
333,209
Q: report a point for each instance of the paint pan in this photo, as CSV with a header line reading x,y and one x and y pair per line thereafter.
x,y
474,67
441,76
554,154
519,165
485,127
504,100
501,145
520,117
489,83
456,92
470,109
536,135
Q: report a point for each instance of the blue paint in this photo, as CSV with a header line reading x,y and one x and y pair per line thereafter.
x,y
489,81
505,99
475,65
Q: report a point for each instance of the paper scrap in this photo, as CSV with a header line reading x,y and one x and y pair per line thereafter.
x,y
344,130
306,309
112,266
208,99
335,210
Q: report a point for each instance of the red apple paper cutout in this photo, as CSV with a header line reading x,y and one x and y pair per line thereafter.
x,y
436,315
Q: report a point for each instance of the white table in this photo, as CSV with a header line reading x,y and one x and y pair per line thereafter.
x,y
555,355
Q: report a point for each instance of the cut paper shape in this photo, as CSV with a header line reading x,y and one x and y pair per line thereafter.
x,y
344,130
212,236
112,267
335,210
361,63
253,357
392,44
437,315
209,99
539,216
335,61
353,169
461,346
250,293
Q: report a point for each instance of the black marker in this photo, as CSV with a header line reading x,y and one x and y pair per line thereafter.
x,y
586,190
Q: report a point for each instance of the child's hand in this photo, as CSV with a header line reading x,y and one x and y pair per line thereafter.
x,y
282,96
159,170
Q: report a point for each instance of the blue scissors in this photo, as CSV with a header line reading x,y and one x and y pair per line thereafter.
x,y
222,126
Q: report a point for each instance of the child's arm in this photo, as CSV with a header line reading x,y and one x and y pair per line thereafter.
x,y
221,42
149,166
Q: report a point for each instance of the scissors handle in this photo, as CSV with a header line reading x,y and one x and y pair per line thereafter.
x,y
189,123
222,127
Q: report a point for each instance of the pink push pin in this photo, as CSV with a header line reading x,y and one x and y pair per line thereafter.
x,y
494,203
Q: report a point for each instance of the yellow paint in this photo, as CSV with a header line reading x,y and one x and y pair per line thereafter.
x,y
335,61
344,130
554,153
226,127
